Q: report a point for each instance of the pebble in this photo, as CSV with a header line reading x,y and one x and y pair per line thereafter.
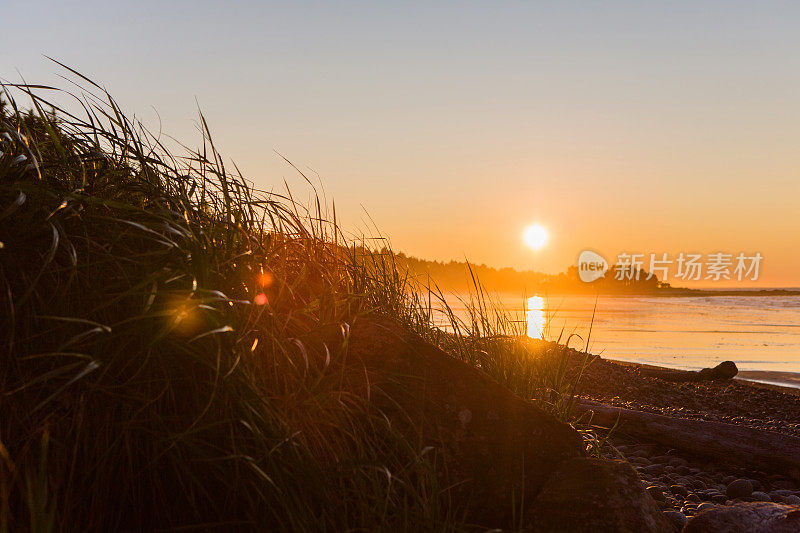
x,y
679,490
793,499
653,469
704,506
656,493
760,496
739,488
677,518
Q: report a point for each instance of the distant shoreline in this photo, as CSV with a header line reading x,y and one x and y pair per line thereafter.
x,y
673,293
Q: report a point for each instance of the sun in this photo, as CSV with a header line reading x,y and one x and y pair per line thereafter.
x,y
536,236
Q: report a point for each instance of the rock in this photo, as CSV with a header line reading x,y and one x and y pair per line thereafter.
x,y
656,493
589,495
677,518
679,490
705,506
653,469
679,462
494,444
692,497
739,488
793,499
723,371
705,495
753,517
760,496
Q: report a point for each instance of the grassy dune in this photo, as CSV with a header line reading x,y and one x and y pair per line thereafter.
x,y
165,342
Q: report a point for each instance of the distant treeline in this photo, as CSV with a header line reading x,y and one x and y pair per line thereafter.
x,y
456,276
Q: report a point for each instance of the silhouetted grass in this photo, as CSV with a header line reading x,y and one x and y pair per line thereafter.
x,y
163,360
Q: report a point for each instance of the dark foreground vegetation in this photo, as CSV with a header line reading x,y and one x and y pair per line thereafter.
x,y
175,345
181,351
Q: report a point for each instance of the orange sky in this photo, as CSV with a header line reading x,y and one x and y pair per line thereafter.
x,y
618,126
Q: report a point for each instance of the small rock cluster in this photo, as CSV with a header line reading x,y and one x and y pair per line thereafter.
x,y
685,486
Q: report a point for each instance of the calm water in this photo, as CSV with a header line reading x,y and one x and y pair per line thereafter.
x,y
758,333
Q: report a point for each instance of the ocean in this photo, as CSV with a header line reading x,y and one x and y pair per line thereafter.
x,y
761,334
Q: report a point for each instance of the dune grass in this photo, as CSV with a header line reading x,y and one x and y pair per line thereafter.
x,y
162,361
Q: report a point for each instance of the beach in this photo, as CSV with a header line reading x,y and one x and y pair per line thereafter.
x,y
684,483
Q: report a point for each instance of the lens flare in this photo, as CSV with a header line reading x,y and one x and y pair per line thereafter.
x,y
265,280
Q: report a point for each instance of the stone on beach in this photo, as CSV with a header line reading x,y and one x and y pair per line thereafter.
x,y
739,488
590,495
677,518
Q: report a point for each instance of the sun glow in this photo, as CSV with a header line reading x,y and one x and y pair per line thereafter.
x,y
536,236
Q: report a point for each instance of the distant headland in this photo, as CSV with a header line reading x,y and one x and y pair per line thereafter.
x,y
459,276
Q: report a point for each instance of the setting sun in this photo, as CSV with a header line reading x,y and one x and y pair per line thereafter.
x,y
536,236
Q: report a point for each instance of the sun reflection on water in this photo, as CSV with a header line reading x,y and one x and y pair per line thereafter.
x,y
534,316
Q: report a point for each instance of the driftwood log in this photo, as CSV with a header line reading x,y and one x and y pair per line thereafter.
x,y
730,443
724,371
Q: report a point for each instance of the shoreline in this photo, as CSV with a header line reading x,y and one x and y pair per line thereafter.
x,y
683,481
688,293
778,380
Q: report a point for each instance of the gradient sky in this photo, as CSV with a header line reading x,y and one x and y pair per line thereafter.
x,y
620,126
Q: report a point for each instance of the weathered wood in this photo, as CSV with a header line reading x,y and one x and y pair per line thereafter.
x,y
730,443
722,372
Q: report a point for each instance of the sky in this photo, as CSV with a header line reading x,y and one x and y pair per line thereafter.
x,y
638,127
